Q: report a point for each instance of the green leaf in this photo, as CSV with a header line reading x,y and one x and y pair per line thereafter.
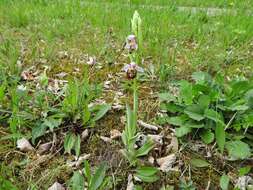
x,y
244,170
182,131
204,101
193,125
137,187
77,181
148,179
77,145
52,123
186,92
146,171
168,97
69,142
213,115
195,112
239,108
98,177
102,110
38,131
177,121
2,91
199,163
238,149
224,182
144,150
147,174
207,136
86,114
201,77
87,171
6,184
220,136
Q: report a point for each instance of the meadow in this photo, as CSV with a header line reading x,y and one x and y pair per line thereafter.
x,y
116,94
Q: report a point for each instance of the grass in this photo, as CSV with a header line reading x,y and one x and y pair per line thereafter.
x,y
176,43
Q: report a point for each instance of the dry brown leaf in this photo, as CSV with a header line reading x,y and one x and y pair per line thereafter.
x,y
115,134
56,186
130,183
85,134
166,163
147,126
158,139
173,146
44,147
24,145
106,139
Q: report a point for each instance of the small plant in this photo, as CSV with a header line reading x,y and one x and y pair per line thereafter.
x,y
76,106
130,134
213,109
94,181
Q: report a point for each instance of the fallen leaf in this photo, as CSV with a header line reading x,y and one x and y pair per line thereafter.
x,y
85,134
114,134
130,183
166,163
24,145
56,186
106,139
147,126
243,182
173,146
158,139
79,160
92,61
44,148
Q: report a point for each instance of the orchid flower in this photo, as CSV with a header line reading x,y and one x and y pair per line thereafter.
x,y
132,69
131,43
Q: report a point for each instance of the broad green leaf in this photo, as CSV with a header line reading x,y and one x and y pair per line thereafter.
x,y
138,187
204,101
52,123
144,150
244,170
199,163
249,98
201,77
173,108
146,171
239,108
77,181
77,145
182,131
207,136
238,149
168,97
186,92
177,120
220,136
224,182
69,142
148,179
195,112
6,184
213,115
98,177
193,125
38,131
103,109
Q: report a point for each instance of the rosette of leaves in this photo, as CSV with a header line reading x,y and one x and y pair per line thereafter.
x,y
214,110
